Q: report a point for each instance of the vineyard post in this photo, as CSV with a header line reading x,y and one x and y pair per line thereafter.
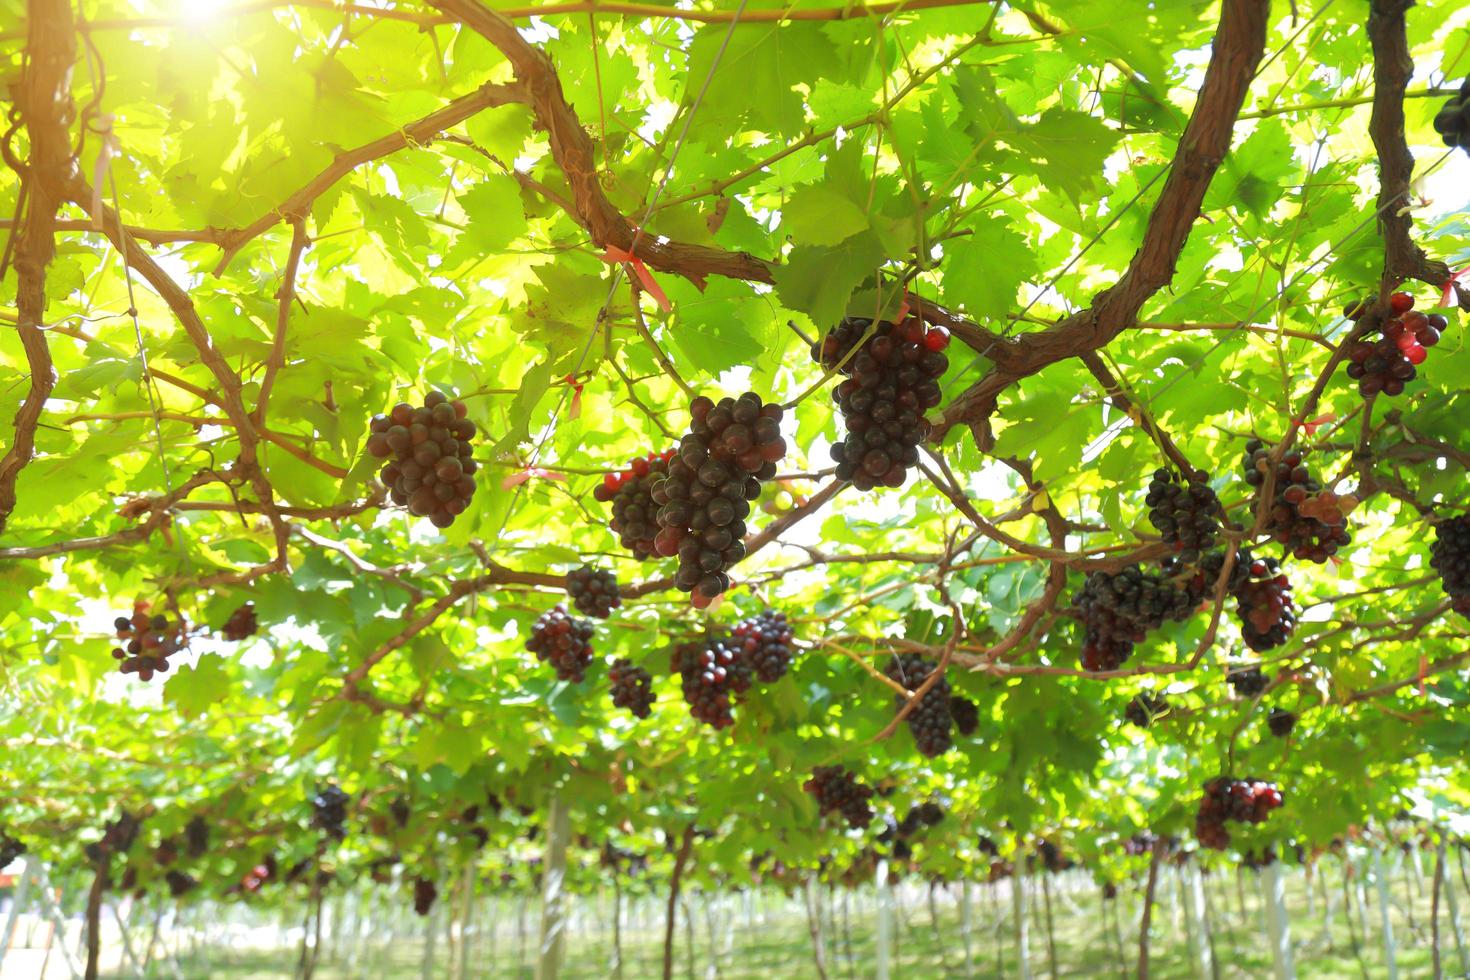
x,y
966,924
1383,909
1285,968
1434,912
1018,903
885,920
1199,930
553,890
814,925
1321,877
1311,894
1146,917
431,939
617,925
58,921
1454,909
1051,938
17,905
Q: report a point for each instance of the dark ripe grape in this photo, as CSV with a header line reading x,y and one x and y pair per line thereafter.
x,y
838,791
721,511
632,687
1264,607
564,642
966,715
1248,682
241,624
711,672
1292,521
1450,557
765,642
1120,608
329,811
594,592
424,894
1280,722
1144,708
151,640
930,720
429,457
1227,799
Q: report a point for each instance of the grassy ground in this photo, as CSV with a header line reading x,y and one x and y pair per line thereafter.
x,y
1087,943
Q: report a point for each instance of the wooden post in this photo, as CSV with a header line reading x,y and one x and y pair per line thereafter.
x,y
1383,908
1051,938
1148,908
1285,968
685,847
814,926
1454,908
885,920
553,890
431,940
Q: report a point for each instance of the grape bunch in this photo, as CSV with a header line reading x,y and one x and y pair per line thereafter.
x,y
838,790
732,445
329,811
634,514
632,687
151,640
1248,682
965,713
889,383
1314,534
564,641
1281,722
930,721
10,849
117,837
1144,708
180,884
430,465
241,625
196,837
1450,556
1185,512
1263,603
711,672
1120,608
424,894
765,643
1227,799
1387,364
594,591
1453,121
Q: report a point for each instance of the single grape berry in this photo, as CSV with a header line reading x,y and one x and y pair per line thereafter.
x,y
1227,799
149,641
1185,512
1450,557
1121,608
632,687
594,591
1280,722
564,642
329,811
930,720
241,625
765,642
431,466
838,790
891,378
1144,708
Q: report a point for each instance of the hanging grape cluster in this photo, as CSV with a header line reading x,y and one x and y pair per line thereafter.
x,y
965,713
634,514
1450,556
1227,799
632,687
732,445
329,811
1453,121
150,641
1185,512
711,672
1120,608
10,849
1281,722
1248,682
765,643
180,884
430,467
564,641
838,790
1144,708
1263,603
930,721
1309,522
196,837
241,625
594,591
1393,360
891,381
424,894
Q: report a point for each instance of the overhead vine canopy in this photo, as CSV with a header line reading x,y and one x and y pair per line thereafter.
x,y
1090,240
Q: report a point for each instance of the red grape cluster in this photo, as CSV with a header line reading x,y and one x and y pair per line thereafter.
x,y
1226,799
732,445
1248,682
1120,608
711,672
891,381
151,640
1392,361
1453,121
1144,708
765,643
838,790
329,811
965,714
930,720
180,884
564,641
1263,603
634,514
1185,512
1309,528
241,625
594,591
430,468
1450,556
424,894
259,874
1281,722
632,687
196,837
